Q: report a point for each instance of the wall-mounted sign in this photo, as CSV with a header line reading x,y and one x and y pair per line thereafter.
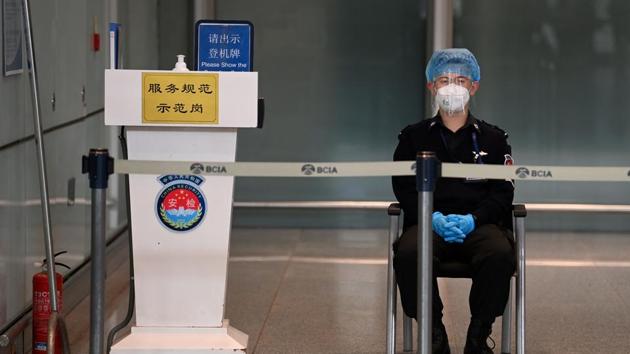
x,y
180,98
224,45
12,36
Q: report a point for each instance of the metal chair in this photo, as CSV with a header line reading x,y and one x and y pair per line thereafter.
x,y
461,270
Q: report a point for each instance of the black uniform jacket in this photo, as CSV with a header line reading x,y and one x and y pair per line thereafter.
x,y
489,201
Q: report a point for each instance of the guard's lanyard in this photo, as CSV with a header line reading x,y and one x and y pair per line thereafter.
x,y
476,152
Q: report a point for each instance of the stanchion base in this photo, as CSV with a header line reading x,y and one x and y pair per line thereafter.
x,y
188,340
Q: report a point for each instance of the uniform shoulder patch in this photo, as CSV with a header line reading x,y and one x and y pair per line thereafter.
x,y
403,130
409,129
501,131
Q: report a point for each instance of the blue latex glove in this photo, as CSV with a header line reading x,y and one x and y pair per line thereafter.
x,y
448,230
465,223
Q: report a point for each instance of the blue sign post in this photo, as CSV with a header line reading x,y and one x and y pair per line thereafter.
x,y
224,45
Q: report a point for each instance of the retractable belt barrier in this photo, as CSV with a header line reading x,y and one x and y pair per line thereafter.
x,y
373,169
99,165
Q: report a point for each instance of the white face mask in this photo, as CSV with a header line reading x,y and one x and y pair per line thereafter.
x,y
452,98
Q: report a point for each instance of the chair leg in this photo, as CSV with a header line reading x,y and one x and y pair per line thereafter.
x,y
391,319
520,287
391,288
407,333
506,322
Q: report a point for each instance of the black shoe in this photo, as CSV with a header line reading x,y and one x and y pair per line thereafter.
x,y
440,340
477,338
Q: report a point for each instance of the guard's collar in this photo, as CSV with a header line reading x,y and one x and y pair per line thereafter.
x,y
470,120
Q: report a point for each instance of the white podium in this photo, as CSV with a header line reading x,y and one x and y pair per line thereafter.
x,y
181,224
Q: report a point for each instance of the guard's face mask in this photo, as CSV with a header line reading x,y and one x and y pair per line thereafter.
x,y
452,98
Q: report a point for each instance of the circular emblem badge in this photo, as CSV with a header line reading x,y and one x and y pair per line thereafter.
x,y
180,205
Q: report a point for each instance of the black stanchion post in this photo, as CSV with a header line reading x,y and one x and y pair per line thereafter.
x,y
428,170
98,165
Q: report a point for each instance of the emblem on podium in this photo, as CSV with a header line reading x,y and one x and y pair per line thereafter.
x,y
180,205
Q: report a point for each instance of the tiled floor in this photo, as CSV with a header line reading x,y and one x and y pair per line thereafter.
x,y
323,291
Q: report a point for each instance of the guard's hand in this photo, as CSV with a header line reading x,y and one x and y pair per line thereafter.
x,y
447,230
465,223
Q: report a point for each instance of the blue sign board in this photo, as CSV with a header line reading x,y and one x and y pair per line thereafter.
x,y
224,45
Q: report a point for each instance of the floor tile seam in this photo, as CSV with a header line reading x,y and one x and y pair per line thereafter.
x,y
261,333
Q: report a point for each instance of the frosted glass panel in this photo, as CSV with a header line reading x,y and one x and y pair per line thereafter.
x,y
340,80
554,75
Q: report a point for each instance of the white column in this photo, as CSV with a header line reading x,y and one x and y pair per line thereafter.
x,y
204,10
442,30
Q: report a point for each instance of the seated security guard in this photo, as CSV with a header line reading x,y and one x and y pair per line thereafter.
x,y
469,213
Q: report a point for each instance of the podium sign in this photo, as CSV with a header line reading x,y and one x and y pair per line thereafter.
x,y
224,45
181,223
180,98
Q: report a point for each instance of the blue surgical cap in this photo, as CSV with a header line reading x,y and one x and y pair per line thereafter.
x,y
453,60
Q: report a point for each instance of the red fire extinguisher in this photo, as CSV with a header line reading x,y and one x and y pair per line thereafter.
x,y
42,308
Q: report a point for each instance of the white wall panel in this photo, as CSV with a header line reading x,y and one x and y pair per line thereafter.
x,y
97,61
65,62
12,116
70,61
44,19
32,216
12,233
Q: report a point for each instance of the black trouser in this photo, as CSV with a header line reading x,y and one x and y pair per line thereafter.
x,y
488,249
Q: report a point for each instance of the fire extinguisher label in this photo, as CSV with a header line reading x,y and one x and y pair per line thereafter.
x,y
42,309
180,205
